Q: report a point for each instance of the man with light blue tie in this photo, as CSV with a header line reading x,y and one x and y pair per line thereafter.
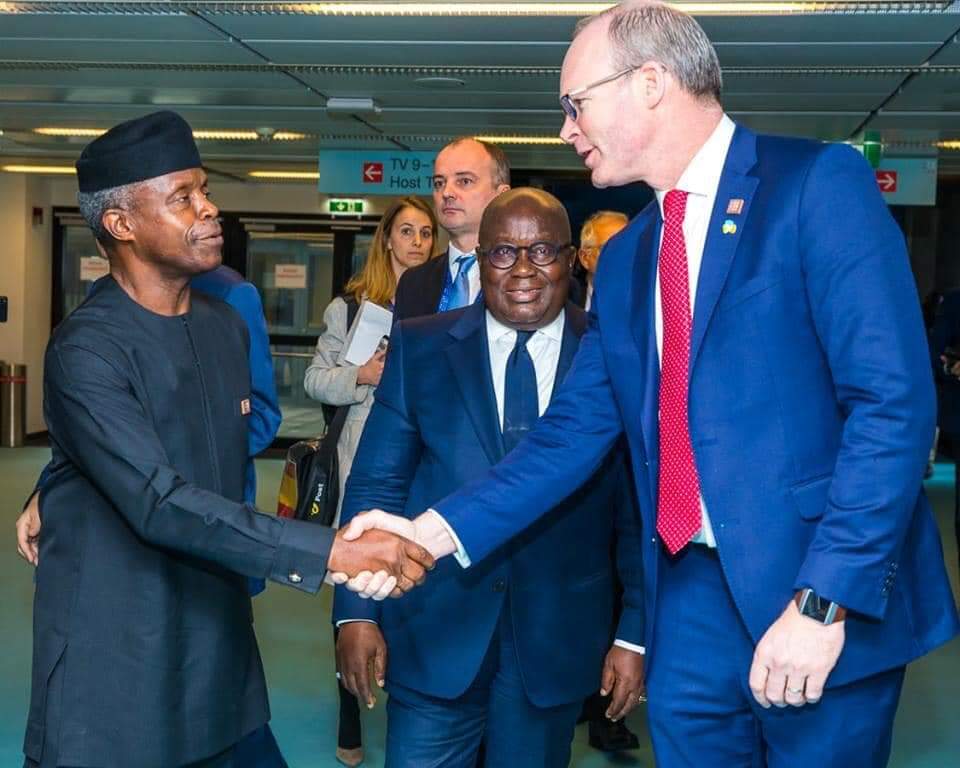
x,y
467,175
756,334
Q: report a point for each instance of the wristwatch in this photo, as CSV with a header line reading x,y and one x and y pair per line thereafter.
x,y
821,610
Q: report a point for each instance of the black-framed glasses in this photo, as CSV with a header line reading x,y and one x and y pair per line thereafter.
x,y
505,255
568,99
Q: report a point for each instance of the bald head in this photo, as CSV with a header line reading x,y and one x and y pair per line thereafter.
x,y
539,208
525,257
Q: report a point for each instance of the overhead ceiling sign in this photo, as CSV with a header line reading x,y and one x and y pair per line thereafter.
x,y
375,172
340,207
908,180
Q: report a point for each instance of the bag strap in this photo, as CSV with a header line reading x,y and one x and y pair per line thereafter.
x,y
352,308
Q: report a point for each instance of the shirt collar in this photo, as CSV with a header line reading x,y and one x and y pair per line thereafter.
x,y
454,253
702,175
497,330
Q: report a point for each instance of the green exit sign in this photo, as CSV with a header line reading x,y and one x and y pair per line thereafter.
x,y
345,206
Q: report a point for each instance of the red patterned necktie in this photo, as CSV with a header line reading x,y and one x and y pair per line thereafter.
x,y
678,498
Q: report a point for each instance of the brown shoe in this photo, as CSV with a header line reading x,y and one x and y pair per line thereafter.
x,y
350,757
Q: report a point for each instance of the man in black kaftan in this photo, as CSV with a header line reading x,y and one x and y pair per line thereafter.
x,y
144,650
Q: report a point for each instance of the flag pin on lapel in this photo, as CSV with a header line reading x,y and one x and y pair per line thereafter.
x,y
729,228
245,406
735,206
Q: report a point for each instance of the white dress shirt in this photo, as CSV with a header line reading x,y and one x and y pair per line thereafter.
x,y
700,181
544,349
473,274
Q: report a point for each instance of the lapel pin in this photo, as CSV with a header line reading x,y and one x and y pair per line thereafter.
x,y
735,206
245,407
729,228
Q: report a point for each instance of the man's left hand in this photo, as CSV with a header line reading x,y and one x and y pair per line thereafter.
x,y
793,660
622,678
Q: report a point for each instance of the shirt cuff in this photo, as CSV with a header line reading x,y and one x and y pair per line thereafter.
x,y
630,646
460,554
353,621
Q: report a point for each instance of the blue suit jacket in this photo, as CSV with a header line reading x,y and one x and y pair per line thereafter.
x,y
811,404
433,427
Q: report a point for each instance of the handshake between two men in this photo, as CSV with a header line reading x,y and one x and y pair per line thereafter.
x,y
383,564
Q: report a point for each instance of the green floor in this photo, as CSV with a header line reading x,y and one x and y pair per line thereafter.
x,y
295,639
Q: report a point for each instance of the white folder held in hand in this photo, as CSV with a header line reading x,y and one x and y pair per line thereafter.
x,y
373,322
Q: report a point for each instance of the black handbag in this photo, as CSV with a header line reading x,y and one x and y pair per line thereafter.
x,y
310,487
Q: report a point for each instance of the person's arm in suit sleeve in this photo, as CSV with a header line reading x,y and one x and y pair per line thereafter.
x,y
107,434
563,450
265,416
383,468
629,560
864,303
326,380
404,295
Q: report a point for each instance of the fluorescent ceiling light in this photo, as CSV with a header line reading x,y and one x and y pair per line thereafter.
x,y
286,175
953,145
198,135
64,169
530,140
556,9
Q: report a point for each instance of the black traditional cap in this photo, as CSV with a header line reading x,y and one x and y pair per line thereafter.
x,y
144,148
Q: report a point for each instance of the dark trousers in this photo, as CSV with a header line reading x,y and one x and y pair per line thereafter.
x,y
427,732
349,733
256,750
701,710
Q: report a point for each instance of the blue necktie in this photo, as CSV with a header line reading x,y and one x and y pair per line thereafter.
x,y
520,404
460,289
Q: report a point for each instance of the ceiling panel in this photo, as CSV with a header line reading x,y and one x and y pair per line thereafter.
x,y
817,75
846,54
126,50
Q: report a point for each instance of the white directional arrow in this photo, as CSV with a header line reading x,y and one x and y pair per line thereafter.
x,y
887,181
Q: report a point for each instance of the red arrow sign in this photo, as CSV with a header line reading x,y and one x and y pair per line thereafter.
x,y
887,180
372,173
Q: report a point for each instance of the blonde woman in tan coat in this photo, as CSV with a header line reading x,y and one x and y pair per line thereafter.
x,y
405,237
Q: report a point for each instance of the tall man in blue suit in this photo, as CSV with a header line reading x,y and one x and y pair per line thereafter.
x,y
768,365
504,652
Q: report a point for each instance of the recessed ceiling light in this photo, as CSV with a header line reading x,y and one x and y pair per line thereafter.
x,y
286,175
531,140
58,169
198,135
567,9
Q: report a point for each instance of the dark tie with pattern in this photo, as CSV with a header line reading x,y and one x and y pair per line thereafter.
x,y
520,404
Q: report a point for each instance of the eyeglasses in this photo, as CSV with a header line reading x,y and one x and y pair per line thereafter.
x,y
504,255
567,100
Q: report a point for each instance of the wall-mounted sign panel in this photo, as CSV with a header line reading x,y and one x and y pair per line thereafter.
x,y
290,276
375,172
908,180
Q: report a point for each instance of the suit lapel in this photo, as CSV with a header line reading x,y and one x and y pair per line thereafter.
x,y
642,301
721,243
433,285
469,361
574,324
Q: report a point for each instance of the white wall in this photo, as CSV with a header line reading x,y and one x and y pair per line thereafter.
x,y
26,280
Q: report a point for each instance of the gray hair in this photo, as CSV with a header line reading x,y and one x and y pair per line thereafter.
x,y
93,205
651,31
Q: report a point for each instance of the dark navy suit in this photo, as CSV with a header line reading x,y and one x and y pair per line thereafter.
x,y
433,427
811,415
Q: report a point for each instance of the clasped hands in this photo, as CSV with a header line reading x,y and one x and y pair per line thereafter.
x,y
379,555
